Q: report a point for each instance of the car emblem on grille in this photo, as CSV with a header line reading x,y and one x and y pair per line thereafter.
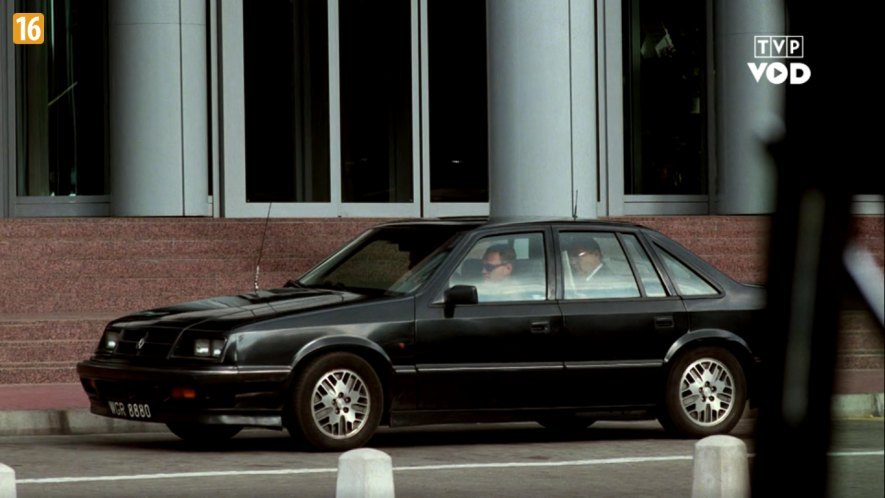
x,y
140,343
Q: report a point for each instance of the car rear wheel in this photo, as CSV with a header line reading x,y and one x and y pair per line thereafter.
x,y
337,403
705,393
204,434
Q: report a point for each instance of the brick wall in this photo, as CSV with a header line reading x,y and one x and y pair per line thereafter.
x,y
61,280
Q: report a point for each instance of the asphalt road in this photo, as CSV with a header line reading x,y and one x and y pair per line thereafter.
x,y
610,459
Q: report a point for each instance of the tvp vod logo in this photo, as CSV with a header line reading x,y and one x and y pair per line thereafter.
x,y
779,47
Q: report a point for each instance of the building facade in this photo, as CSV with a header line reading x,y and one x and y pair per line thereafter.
x,y
405,108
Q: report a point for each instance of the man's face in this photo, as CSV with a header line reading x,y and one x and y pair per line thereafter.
x,y
585,261
493,270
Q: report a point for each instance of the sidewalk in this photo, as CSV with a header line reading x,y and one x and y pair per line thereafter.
x,y
34,409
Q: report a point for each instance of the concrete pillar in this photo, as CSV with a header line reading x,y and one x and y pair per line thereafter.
x,y
542,108
747,112
159,145
365,473
7,482
720,468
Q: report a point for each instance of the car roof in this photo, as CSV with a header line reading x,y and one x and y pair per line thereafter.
x,y
477,221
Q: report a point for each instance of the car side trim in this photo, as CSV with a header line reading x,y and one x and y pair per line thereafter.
x,y
596,365
489,367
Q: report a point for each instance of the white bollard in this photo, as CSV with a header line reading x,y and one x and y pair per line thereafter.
x,y
365,473
720,468
7,482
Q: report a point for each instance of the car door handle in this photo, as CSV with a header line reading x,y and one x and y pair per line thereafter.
x,y
540,327
664,322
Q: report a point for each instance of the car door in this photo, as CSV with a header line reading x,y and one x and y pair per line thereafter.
x,y
616,335
501,352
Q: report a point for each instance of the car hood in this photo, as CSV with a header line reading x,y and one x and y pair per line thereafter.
x,y
226,312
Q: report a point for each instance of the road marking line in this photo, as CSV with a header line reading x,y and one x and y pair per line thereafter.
x,y
856,453
568,463
136,477
461,466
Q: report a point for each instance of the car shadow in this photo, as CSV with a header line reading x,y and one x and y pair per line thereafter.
x,y
257,440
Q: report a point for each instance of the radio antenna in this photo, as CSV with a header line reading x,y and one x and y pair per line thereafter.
x,y
261,247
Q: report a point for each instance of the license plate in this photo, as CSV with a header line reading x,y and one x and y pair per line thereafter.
x,y
137,411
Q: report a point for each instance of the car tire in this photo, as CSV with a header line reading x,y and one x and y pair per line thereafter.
x,y
204,434
336,403
705,393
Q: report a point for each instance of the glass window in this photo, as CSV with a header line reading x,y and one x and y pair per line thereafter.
x,y
595,267
389,261
286,81
376,101
456,34
505,268
665,66
644,267
688,282
61,113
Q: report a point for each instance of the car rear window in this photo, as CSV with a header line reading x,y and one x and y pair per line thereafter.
x,y
688,282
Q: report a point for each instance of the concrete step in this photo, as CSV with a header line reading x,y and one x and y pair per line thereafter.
x,y
14,353
120,295
45,348
860,342
869,360
79,327
116,264
39,373
63,279
68,268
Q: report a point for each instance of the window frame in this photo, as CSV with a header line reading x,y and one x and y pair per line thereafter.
x,y
440,282
616,234
720,292
622,238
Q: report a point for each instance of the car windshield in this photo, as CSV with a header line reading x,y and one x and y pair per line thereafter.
x,y
392,260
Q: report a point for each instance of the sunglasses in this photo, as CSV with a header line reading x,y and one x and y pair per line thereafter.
x,y
490,267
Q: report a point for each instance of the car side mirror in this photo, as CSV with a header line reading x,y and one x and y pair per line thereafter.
x,y
459,294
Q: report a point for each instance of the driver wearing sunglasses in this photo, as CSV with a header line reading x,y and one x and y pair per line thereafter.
x,y
497,263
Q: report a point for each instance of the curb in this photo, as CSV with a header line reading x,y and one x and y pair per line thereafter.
x,y
73,421
80,421
858,405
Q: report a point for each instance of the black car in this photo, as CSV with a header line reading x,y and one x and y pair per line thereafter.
x,y
431,321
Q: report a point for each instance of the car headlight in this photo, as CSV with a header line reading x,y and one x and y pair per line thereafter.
x,y
109,340
208,348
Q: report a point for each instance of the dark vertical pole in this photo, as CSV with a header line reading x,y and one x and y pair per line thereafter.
x,y
822,161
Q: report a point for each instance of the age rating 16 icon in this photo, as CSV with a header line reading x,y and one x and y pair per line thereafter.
x,y
27,29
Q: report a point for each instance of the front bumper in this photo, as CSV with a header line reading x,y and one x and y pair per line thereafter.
x,y
216,394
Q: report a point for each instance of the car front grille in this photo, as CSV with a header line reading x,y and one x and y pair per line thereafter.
x,y
147,343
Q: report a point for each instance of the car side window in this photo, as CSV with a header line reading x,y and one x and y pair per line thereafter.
x,y
688,282
644,267
595,267
505,268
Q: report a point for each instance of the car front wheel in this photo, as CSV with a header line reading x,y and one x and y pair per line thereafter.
x,y
705,393
337,403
